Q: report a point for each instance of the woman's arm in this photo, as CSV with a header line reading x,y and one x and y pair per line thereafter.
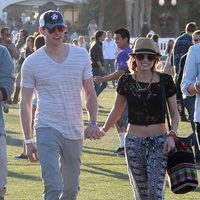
x,y
116,112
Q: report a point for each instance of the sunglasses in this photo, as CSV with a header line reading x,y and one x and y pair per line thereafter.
x,y
141,57
196,40
61,29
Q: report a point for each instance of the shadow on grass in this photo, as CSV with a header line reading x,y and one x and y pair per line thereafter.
x,y
23,176
106,172
13,132
99,149
13,141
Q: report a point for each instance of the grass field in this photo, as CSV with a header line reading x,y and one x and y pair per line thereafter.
x,y
103,175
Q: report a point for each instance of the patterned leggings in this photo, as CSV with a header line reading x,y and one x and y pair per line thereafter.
x,y
146,166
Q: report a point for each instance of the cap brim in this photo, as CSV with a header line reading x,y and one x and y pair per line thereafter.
x,y
50,26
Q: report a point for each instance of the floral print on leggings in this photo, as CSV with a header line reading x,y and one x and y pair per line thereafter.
x,y
147,165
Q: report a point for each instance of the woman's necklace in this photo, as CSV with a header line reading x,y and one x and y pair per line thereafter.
x,y
143,89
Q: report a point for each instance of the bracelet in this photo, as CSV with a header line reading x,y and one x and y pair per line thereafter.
x,y
93,122
28,141
102,132
172,133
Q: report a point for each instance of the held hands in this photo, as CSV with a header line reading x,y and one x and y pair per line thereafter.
x,y
92,132
32,152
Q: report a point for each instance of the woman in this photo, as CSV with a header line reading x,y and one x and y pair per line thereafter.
x,y
26,50
147,143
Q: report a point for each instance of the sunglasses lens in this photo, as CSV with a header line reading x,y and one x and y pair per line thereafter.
x,y
59,28
151,57
141,57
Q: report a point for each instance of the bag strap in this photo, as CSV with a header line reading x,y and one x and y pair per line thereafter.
x,y
164,99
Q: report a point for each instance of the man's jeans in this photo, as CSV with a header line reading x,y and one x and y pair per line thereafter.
x,y
99,87
60,161
3,166
189,103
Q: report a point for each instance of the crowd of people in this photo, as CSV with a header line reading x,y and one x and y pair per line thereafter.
x,y
50,70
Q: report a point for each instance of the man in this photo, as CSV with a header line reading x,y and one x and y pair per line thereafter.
x,y
7,42
58,72
188,101
181,46
122,38
190,84
6,89
96,55
109,53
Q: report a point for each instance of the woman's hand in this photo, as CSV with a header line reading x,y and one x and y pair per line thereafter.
x,y
169,145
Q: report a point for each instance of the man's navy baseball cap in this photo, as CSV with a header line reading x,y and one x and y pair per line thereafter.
x,y
51,19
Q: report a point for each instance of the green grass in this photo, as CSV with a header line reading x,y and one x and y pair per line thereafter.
x,y
103,175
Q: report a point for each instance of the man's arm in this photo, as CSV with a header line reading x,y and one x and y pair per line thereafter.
x,y
114,76
6,74
26,112
26,121
92,131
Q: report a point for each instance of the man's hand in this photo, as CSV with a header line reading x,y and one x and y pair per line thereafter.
x,y
92,132
98,79
32,154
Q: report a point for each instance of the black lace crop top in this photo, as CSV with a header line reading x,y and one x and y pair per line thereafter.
x,y
145,105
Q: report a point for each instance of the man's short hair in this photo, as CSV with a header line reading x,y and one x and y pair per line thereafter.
x,y
190,27
4,29
124,33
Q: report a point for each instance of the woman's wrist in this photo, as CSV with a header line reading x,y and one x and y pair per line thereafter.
x,y
102,131
172,133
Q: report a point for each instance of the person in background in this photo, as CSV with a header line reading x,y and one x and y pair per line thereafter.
x,y
122,39
6,89
181,46
97,60
147,142
58,72
92,28
109,53
190,84
81,42
25,51
188,101
75,41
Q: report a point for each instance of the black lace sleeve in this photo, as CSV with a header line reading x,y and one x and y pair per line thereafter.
x,y
121,85
170,87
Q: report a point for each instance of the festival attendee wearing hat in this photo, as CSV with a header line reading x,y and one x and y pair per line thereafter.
x,y
58,71
147,143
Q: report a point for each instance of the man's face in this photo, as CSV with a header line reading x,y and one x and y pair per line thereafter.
x,y
55,36
5,35
121,42
196,39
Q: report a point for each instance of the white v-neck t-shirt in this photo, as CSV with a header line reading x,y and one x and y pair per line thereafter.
x,y
58,88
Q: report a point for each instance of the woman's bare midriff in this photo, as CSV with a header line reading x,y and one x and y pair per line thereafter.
x,y
147,131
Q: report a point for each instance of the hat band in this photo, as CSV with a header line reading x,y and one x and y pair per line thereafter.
x,y
145,50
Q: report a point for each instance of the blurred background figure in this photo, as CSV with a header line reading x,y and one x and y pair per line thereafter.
x,y
109,53
92,28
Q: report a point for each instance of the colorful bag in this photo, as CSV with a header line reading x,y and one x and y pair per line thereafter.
x,y
181,169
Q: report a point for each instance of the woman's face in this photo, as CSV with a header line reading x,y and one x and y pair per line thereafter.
x,y
145,61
